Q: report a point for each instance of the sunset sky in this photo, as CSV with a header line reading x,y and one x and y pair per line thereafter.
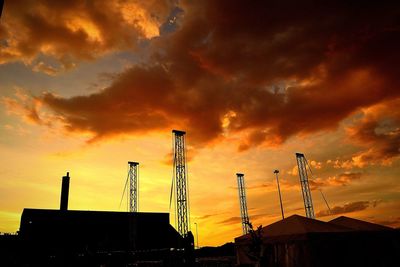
x,y
86,86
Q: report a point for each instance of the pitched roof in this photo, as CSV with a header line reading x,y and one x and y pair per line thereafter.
x,y
296,225
358,225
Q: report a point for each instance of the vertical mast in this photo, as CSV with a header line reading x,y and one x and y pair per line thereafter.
x,y
181,182
243,203
133,186
305,187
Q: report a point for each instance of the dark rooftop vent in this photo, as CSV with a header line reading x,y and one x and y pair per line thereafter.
x,y
64,192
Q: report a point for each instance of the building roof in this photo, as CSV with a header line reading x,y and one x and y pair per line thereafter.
x,y
297,224
295,227
299,227
358,225
29,211
98,229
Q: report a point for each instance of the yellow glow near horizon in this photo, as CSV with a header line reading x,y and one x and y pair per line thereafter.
x,y
98,173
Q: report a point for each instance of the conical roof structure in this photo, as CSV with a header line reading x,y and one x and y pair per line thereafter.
x,y
295,227
358,225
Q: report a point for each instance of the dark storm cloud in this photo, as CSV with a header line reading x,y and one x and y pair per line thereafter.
x,y
266,69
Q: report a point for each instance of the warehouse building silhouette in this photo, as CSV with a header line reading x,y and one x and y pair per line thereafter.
x,y
70,236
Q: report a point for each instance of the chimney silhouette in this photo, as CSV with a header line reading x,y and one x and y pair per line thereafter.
x,y
64,192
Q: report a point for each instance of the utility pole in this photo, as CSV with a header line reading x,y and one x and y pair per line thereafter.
x,y
279,191
243,203
305,187
1,7
181,182
133,187
64,192
197,236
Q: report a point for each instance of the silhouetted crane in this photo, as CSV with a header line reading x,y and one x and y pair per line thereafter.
x,y
133,178
181,181
305,187
243,203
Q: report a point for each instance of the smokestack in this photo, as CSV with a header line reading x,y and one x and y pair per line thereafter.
x,y
64,192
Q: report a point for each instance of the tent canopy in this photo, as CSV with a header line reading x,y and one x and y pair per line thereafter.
x,y
294,227
358,225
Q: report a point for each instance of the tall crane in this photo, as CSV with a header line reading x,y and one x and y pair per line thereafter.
x,y
305,187
181,181
243,203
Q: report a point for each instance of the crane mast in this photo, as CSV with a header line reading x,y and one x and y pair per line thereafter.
x,y
181,182
243,203
305,187
133,174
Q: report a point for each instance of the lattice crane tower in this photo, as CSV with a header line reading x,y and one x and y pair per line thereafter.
x,y
305,187
181,182
243,203
133,174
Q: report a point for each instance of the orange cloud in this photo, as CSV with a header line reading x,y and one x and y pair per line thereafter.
x,y
340,180
71,31
23,106
280,73
45,68
378,132
341,164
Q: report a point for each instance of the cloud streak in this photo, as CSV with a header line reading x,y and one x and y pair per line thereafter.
x,y
342,179
394,222
346,208
238,220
